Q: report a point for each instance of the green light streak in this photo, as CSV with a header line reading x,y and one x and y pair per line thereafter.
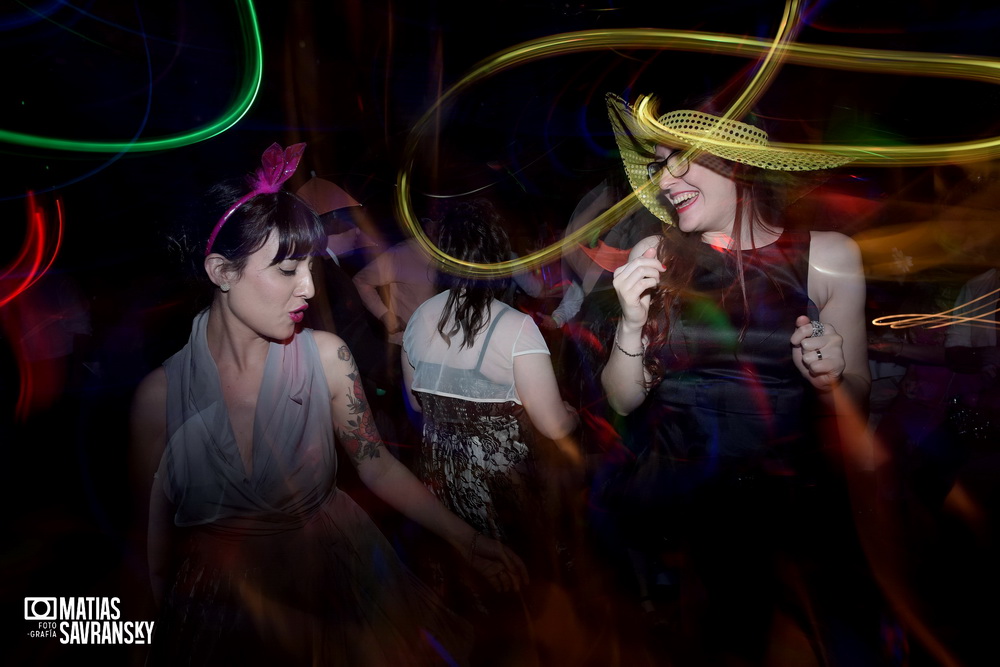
x,y
249,87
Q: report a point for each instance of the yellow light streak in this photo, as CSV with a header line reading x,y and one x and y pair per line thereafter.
x,y
773,53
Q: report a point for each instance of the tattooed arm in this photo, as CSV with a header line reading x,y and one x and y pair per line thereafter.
x,y
393,482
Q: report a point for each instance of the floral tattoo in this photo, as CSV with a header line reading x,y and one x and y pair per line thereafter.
x,y
362,437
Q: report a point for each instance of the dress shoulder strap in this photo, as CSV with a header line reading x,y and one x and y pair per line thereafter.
x,y
795,245
489,335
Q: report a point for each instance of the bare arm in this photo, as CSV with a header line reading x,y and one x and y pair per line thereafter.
x,y
568,307
392,481
625,377
536,386
376,274
152,525
839,357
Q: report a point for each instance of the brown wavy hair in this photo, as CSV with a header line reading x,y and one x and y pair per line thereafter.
x,y
760,200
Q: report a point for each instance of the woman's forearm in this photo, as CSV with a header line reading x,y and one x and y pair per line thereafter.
x,y
852,387
624,377
393,483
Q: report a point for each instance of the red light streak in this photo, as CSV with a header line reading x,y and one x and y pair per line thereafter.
x,y
41,246
28,267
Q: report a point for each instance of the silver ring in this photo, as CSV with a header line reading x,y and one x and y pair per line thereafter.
x,y
818,328
819,355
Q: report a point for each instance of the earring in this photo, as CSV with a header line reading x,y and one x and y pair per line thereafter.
x,y
224,287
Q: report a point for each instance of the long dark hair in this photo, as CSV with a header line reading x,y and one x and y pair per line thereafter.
x,y
471,232
760,201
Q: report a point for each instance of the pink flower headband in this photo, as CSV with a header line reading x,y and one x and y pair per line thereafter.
x,y
276,167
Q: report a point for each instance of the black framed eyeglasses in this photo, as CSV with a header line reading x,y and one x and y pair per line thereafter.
x,y
676,165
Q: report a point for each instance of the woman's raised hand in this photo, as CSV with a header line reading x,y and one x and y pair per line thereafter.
x,y
634,283
818,352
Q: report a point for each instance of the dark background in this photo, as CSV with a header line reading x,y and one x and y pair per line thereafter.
x,y
351,79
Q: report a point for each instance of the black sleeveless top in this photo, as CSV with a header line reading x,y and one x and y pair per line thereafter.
x,y
727,399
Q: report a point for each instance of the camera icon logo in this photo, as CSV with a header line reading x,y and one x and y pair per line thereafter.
x,y
40,609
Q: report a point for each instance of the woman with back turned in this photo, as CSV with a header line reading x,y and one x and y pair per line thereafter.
x,y
479,371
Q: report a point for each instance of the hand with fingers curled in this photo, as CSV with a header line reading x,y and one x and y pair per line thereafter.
x,y
818,352
634,283
501,567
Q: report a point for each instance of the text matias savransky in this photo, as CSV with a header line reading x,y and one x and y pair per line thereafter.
x,y
84,620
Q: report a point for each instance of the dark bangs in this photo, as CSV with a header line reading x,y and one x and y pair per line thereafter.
x,y
296,226
298,229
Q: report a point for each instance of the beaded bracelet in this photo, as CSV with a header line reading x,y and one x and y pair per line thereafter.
x,y
622,350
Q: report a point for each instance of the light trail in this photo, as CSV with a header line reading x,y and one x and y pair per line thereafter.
x,y
773,53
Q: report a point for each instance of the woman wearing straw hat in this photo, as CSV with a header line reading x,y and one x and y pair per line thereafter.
x,y
733,330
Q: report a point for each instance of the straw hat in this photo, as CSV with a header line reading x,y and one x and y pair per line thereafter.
x,y
732,140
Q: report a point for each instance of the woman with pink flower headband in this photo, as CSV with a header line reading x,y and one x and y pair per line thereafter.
x,y
255,556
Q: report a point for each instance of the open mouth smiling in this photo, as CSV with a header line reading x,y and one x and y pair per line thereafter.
x,y
682,200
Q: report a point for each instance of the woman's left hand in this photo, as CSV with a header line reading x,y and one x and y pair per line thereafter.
x,y
503,568
818,352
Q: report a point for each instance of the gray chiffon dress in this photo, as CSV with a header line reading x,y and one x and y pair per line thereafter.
x,y
279,566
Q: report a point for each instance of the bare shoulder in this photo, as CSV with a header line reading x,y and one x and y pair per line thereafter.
x,y
149,403
332,348
644,245
835,270
148,422
338,362
834,252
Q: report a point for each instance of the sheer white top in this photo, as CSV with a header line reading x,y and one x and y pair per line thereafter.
x,y
483,372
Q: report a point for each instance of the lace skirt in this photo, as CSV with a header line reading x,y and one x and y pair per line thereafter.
x,y
476,458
